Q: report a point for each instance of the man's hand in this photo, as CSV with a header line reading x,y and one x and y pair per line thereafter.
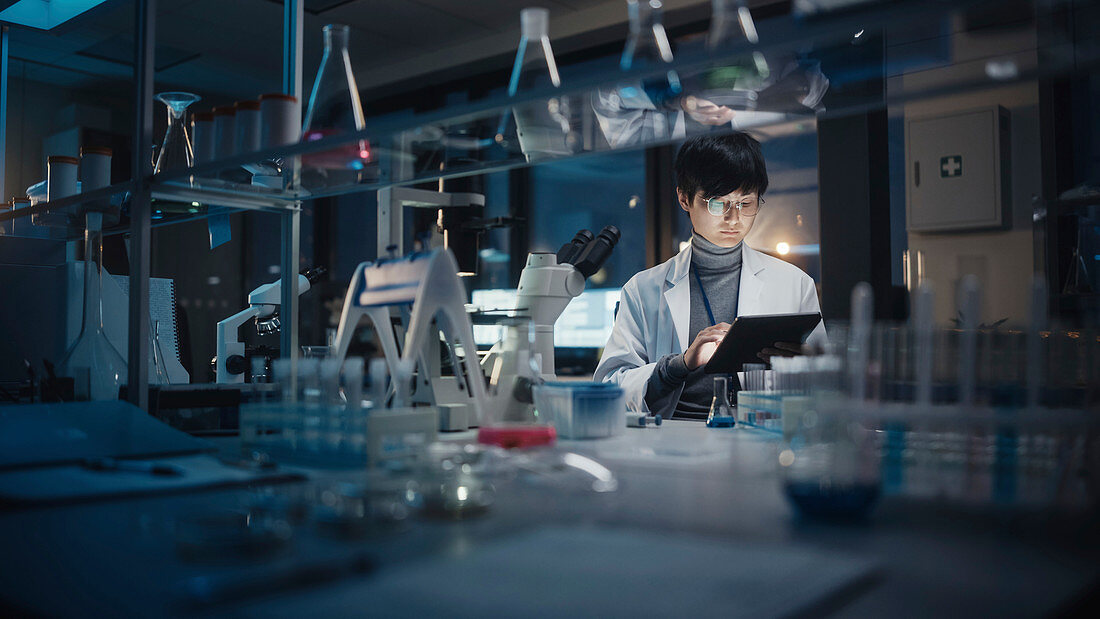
x,y
706,112
782,349
706,342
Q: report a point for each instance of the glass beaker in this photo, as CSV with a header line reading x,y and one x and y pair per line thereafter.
x,y
92,361
334,107
545,127
175,151
721,412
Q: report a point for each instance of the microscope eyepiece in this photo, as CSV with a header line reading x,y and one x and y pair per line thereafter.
x,y
314,275
597,251
569,252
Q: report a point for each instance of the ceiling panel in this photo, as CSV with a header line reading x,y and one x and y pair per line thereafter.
x,y
415,25
496,15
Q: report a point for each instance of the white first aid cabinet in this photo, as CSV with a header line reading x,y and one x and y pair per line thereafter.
x,y
957,171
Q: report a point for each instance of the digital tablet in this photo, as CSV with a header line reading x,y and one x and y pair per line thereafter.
x,y
748,335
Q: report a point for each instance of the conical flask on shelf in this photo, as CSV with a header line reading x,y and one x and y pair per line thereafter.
x,y
175,151
641,110
721,412
732,25
334,107
545,127
647,45
96,367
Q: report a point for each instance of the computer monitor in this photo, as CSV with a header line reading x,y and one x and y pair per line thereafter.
x,y
585,323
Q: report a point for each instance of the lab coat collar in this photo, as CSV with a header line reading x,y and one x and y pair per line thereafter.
x,y
678,295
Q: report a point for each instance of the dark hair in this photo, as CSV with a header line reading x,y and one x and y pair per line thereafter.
x,y
721,164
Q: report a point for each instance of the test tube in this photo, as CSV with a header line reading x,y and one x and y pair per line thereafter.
x,y
379,373
353,382
859,339
922,327
970,301
1035,359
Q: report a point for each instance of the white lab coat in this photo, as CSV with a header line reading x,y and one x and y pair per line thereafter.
x,y
654,314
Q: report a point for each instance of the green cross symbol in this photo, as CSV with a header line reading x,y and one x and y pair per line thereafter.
x,y
951,166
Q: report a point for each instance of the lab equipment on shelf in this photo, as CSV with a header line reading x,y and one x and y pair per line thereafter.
x,y
334,107
544,127
246,124
95,167
582,409
202,136
280,120
225,131
721,411
93,363
61,177
175,151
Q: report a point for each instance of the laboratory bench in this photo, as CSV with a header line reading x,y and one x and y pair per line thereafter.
x,y
698,526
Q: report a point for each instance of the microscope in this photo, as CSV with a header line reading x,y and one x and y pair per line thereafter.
x,y
550,281
263,307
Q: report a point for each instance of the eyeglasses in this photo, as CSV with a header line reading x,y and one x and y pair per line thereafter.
x,y
746,207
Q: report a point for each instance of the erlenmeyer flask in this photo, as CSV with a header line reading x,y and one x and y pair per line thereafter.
x,y
175,152
721,413
731,24
92,361
647,45
334,106
729,21
545,127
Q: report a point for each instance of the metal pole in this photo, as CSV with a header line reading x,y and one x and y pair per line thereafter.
x,y
142,168
291,220
4,70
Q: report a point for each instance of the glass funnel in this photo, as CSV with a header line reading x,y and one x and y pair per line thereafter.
x,y
92,361
334,106
721,412
545,127
175,151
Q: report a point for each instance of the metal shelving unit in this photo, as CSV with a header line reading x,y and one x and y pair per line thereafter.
x,y
414,148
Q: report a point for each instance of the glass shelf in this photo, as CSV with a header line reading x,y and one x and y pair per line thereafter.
x,y
599,109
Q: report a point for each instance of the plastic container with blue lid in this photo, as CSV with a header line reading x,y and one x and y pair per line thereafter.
x,y
582,409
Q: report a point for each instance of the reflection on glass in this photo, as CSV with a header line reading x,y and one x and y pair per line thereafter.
x,y
636,112
544,127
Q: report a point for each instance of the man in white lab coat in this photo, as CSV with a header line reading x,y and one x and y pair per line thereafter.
x,y
672,316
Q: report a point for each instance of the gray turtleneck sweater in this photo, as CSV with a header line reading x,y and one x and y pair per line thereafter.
x,y
719,270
